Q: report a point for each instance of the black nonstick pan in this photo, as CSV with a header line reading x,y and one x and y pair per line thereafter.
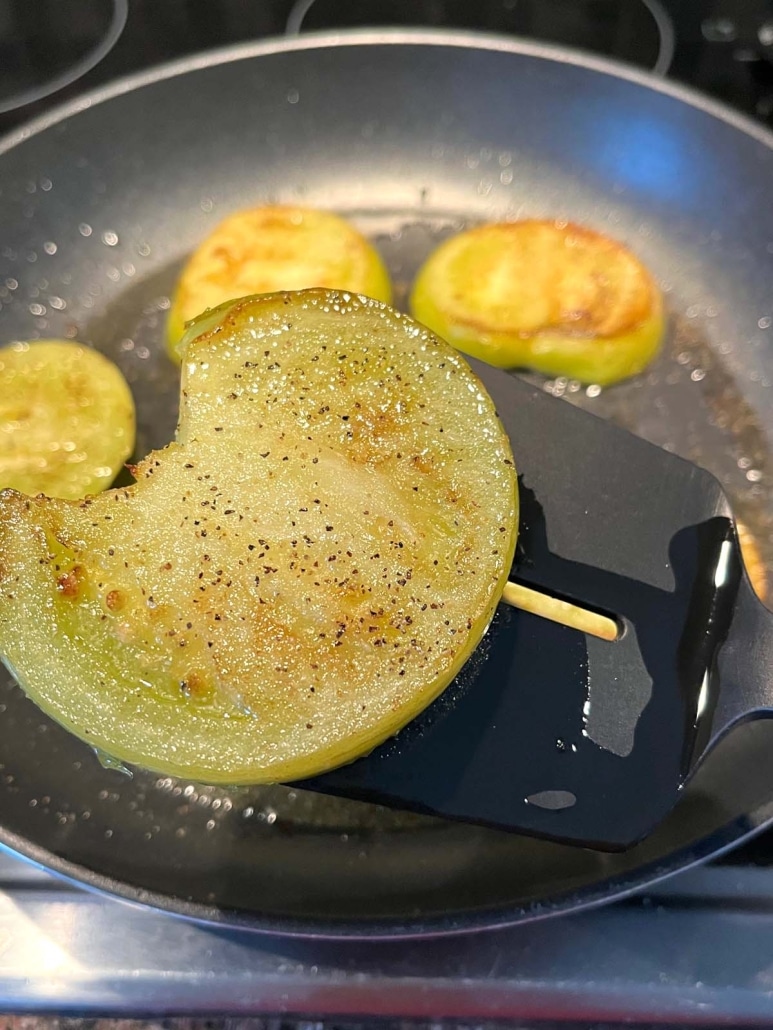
x,y
412,136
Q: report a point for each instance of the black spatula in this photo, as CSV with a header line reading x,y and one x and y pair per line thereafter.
x,y
554,733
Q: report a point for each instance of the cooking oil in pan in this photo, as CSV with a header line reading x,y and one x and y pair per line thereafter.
x,y
689,403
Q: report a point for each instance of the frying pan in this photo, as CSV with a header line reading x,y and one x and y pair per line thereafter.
x,y
412,135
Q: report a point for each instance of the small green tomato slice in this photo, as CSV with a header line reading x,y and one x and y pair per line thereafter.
x,y
275,248
550,296
67,420
297,575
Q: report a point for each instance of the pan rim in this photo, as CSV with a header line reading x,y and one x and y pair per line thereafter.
x,y
456,38
433,926
607,891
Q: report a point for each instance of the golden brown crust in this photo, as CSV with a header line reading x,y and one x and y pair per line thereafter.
x,y
276,247
552,277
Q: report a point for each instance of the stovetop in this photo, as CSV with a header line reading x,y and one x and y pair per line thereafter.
x,y
722,47
655,958
698,950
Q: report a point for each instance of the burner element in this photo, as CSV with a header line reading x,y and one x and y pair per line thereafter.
x,y
46,45
637,31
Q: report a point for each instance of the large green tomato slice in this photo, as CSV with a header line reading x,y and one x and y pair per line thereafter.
x,y
297,575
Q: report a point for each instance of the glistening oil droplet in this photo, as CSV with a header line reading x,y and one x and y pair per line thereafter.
x,y
108,762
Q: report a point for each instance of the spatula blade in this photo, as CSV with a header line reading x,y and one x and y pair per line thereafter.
x,y
547,731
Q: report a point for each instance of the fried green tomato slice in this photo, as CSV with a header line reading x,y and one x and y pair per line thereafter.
x,y
550,296
756,568
275,248
297,575
67,419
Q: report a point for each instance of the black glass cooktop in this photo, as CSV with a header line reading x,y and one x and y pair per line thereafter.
x,y
53,49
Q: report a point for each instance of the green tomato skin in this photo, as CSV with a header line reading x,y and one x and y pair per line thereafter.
x,y
600,360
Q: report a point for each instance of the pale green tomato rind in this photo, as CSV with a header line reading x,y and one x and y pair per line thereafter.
x,y
310,527
587,359
67,420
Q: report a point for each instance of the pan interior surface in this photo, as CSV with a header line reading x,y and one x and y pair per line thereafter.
x,y
412,137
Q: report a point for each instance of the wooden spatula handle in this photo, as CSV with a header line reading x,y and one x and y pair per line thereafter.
x,y
563,612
